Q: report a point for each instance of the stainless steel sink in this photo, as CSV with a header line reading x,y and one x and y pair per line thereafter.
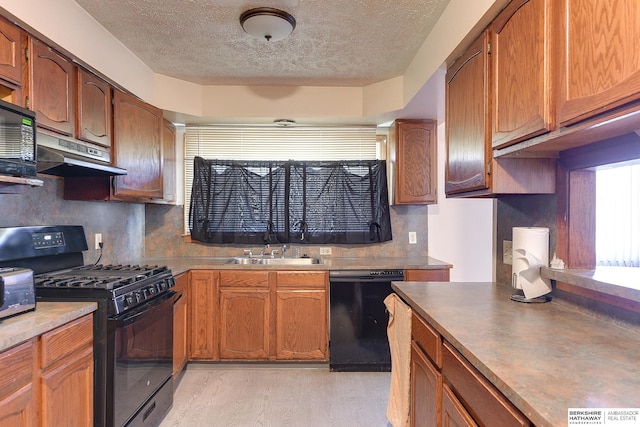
x,y
287,261
275,261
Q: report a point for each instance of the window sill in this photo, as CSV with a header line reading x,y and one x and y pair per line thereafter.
x,y
621,282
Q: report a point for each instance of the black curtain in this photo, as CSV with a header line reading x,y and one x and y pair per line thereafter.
x,y
253,202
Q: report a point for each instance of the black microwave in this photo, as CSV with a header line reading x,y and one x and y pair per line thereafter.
x,y
17,141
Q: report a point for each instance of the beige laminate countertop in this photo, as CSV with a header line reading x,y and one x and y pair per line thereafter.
x,y
179,265
47,316
545,358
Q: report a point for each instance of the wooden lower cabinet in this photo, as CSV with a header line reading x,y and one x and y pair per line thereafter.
x,y
244,324
426,383
453,412
48,380
435,275
180,322
18,393
258,315
67,374
448,391
67,392
203,309
301,316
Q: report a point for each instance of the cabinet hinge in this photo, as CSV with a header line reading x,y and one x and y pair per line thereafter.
x,y
27,103
489,168
489,48
26,53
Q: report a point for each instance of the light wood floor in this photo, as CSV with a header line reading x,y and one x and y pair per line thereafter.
x,y
239,396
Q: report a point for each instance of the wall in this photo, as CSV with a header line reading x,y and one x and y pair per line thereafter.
x,y
164,237
523,211
121,224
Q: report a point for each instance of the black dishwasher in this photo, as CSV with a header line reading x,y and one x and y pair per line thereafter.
x,y
358,319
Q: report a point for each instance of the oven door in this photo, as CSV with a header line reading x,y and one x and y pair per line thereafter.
x,y
142,357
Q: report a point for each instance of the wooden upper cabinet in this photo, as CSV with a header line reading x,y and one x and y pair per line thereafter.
x,y
415,155
12,62
52,89
522,85
137,136
11,51
467,120
169,165
94,109
598,58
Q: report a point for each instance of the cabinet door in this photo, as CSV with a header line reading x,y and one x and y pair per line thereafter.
x,y
416,161
69,381
426,390
52,89
467,124
169,165
599,65
301,324
453,413
203,292
245,327
522,83
94,109
11,52
137,137
17,388
180,342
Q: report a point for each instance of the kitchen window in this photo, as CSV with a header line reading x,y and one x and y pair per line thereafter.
x,y
269,218
618,216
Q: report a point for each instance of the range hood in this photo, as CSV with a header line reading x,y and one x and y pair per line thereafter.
x,y
67,157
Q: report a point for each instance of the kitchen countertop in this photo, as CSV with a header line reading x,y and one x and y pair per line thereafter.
x,y
47,316
179,265
545,358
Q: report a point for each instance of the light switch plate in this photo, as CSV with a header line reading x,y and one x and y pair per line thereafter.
x,y
325,251
507,252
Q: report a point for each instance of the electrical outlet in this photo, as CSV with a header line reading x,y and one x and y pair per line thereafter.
x,y
412,238
507,252
325,251
98,240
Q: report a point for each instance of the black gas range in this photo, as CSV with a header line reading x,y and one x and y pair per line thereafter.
x,y
133,325
125,287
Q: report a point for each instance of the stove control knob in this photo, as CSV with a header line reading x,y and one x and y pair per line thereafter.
x,y
138,296
129,299
152,290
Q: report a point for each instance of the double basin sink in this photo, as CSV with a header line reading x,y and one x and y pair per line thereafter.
x,y
273,261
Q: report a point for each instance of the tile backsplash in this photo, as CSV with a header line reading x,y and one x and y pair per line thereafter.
x,y
164,237
121,224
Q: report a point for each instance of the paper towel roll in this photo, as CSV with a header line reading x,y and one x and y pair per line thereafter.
x,y
530,252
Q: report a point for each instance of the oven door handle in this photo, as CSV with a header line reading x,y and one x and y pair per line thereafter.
x,y
129,318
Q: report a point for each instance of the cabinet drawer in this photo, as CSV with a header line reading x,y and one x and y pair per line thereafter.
x,y
16,367
244,279
428,339
302,279
483,401
66,339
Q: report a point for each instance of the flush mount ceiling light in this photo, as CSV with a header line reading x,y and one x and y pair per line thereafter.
x,y
284,122
267,23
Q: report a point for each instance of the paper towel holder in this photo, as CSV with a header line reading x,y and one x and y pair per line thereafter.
x,y
518,296
530,253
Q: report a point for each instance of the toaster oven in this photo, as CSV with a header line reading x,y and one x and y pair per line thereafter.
x,y
17,291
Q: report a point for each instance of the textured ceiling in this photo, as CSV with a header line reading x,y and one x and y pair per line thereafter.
x,y
335,42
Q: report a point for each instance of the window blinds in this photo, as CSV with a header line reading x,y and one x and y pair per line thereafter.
x,y
618,216
275,143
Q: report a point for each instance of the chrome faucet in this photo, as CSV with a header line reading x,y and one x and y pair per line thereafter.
x,y
283,250
264,249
